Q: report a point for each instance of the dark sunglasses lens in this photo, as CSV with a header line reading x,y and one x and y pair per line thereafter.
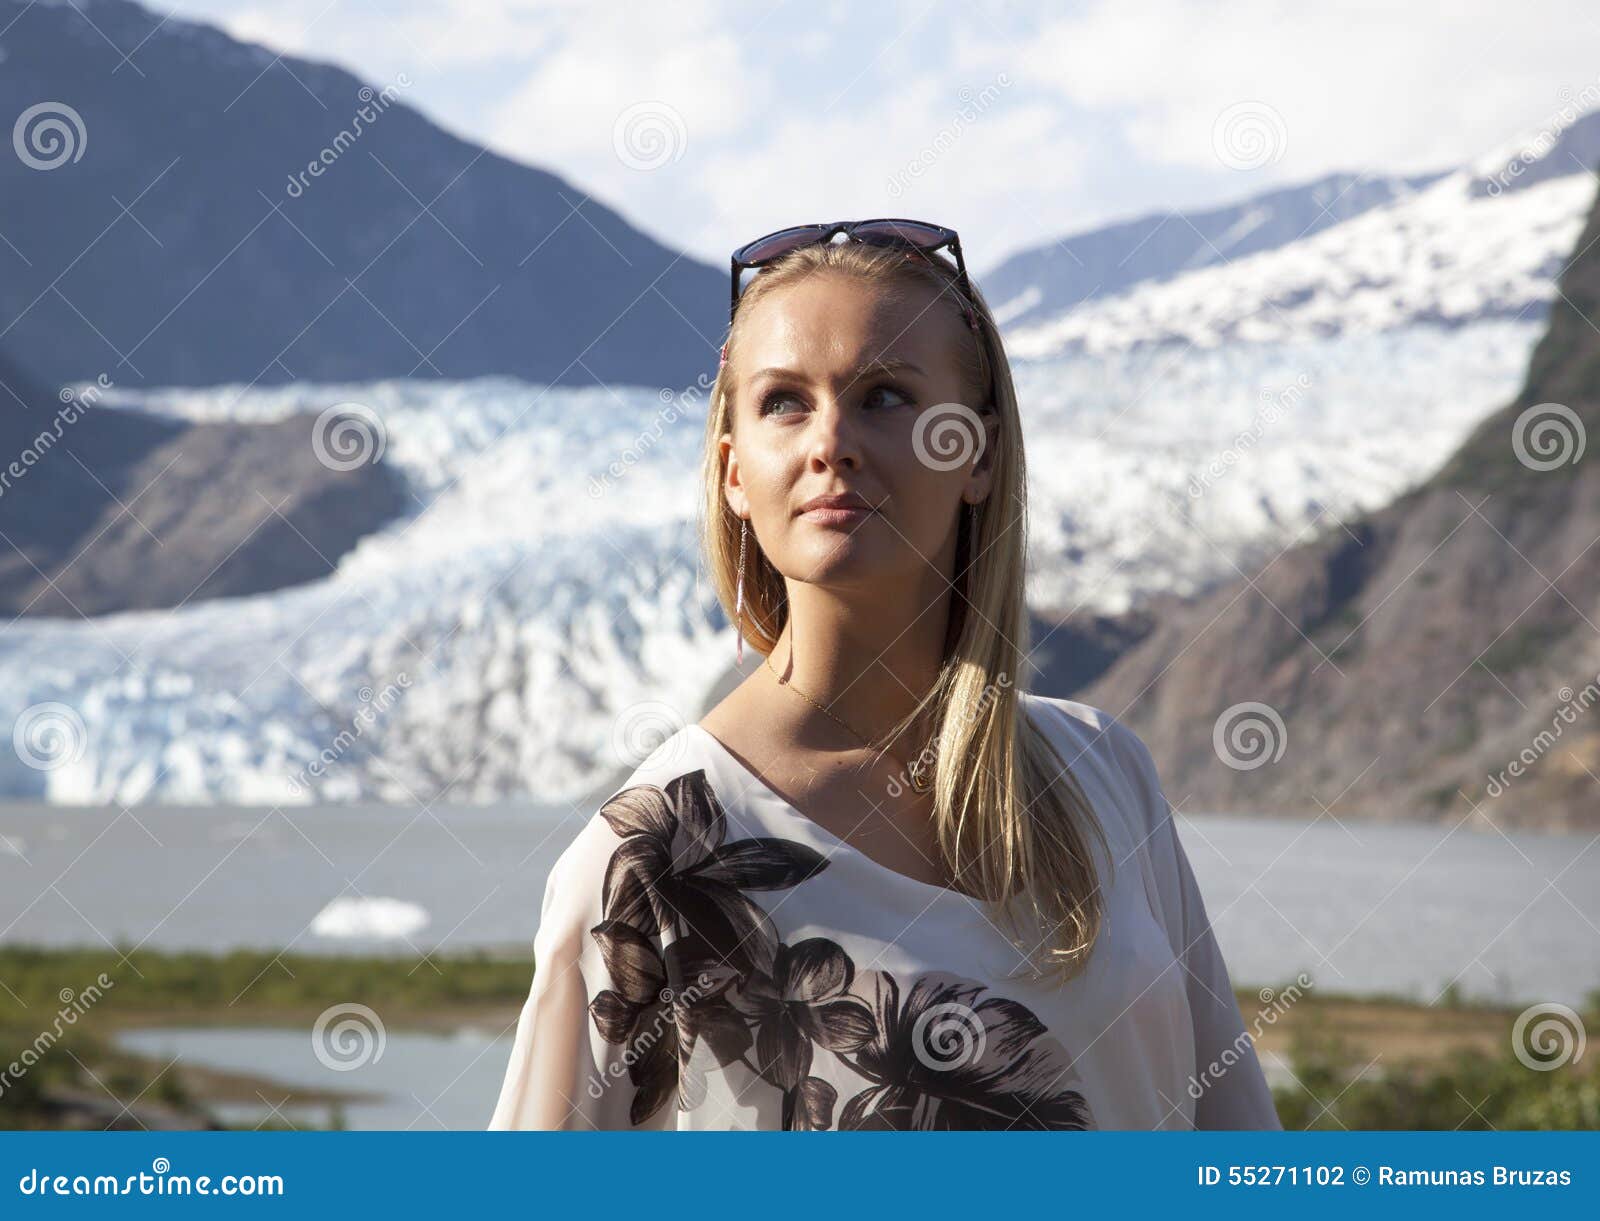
x,y
900,232
774,245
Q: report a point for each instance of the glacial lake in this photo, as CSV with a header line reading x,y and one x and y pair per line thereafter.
x,y
1402,908
1394,907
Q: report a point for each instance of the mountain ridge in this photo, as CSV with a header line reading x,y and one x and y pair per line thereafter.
x,y
1085,259
1406,661
412,252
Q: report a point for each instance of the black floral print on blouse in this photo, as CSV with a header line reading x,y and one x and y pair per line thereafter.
x,y
943,1056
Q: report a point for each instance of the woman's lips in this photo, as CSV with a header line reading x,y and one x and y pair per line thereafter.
x,y
836,515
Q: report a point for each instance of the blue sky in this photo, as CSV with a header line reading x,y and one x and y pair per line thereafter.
x,y
707,123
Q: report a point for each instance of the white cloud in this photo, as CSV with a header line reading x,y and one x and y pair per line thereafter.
x,y
1360,84
567,105
926,151
275,28
779,113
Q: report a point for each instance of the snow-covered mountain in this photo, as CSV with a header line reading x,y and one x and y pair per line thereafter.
x,y
1446,255
536,621
1346,252
1430,625
1047,280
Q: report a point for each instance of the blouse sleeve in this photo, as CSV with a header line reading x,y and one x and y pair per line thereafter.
x,y
1234,1091
564,1072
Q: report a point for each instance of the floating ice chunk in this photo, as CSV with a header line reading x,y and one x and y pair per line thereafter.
x,y
369,917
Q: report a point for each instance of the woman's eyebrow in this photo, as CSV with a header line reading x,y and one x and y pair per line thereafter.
x,y
881,364
888,364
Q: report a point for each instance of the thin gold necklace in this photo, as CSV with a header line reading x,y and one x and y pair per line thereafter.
x,y
920,771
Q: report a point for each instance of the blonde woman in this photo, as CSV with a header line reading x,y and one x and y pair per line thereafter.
x,y
878,885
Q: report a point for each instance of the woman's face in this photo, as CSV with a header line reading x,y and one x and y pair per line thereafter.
x,y
837,385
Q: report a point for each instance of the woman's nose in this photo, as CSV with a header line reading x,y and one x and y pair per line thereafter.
x,y
833,437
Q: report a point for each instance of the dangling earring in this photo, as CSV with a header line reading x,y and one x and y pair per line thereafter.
x,y
738,601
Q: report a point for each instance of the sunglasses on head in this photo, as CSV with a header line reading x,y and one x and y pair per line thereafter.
x,y
916,235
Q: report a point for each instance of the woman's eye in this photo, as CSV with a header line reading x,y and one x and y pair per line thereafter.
x,y
781,402
775,401
885,396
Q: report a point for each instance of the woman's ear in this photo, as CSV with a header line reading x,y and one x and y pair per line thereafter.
x,y
981,478
732,484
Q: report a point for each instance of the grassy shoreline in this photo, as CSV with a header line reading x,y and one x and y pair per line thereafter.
x,y
1372,1053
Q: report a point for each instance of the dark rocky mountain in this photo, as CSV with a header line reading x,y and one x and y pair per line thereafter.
x,y
1440,656
168,244
106,508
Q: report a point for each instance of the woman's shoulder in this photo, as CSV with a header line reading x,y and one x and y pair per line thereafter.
x,y
1090,739
674,773
682,773
1094,727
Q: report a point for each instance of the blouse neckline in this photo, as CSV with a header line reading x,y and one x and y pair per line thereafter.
x,y
836,844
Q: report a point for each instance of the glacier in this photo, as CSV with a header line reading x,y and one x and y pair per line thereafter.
x,y
539,620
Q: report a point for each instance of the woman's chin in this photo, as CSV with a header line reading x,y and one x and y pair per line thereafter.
x,y
831,551
855,560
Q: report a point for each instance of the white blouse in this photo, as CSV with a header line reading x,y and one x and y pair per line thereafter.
x,y
708,957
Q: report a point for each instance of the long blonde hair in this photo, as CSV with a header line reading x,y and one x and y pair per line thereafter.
x,y
1009,815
